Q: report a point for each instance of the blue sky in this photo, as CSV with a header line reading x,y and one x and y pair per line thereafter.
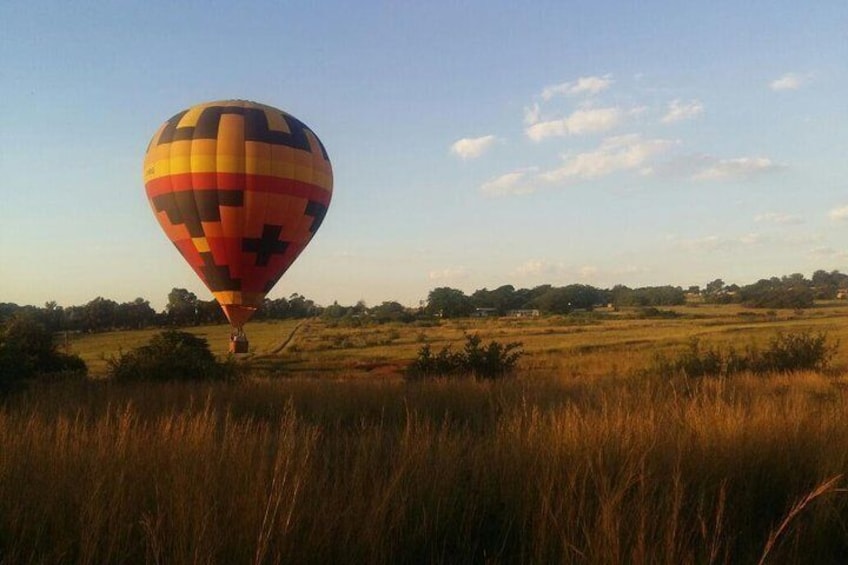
x,y
474,144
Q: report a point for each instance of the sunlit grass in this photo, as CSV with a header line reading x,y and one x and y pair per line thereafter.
x,y
97,348
325,454
593,344
600,470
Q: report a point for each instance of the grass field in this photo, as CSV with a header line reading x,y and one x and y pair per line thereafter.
x,y
326,455
584,344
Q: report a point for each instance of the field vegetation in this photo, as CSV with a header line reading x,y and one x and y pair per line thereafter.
x,y
327,452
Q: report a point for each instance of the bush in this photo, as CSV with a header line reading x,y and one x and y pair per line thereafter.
x,y
652,312
489,362
171,356
803,351
27,352
797,352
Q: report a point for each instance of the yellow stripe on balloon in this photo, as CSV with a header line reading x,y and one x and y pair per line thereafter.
x,y
228,296
190,118
265,167
201,244
276,122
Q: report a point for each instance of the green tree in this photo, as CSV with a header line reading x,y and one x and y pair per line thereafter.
x,y
826,285
788,292
302,307
660,295
136,314
209,312
390,311
562,300
27,350
714,287
171,356
335,311
502,299
449,303
276,309
182,307
52,316
100,314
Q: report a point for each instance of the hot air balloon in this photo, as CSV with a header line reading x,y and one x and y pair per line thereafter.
x,y
239,188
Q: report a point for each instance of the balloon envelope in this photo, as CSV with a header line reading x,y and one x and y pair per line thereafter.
x,y
240,188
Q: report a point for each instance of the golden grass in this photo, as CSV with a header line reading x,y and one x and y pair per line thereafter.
x,y
610,342
598,470
581,459
97,348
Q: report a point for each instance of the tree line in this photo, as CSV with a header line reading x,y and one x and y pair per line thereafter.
x,y
452,303
790,291
184,308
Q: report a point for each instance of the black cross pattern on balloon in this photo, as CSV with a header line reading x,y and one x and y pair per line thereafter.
x,y
267,245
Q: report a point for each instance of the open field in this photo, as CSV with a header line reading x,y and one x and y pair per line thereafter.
x,y
326,455
583,344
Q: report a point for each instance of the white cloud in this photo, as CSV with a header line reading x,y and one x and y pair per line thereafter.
x,y
719,243
802,239
454,273
591,120
551,271
637,111
532,114
682,166
538,268
741,167
732,243
777,218
678,111
583,85
620,153
750,238
789,81
472,147
829,253
839,214
706,243
588,271
514,182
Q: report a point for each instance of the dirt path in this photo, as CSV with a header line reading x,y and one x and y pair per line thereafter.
x,y
286,342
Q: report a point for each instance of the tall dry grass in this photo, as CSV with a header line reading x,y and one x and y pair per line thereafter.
x,y
594,470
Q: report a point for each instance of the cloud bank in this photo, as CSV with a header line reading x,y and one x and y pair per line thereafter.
x,y
583,85
839,214
619,153
472,147
789,81
739,168
514,182
679,111
584,121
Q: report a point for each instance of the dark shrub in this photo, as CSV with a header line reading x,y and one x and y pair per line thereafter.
x,y
446,362
492,361
27,352
171,356
652,312
797,352
803,351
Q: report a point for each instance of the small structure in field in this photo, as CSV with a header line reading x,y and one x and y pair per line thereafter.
x,y
484,312
524,313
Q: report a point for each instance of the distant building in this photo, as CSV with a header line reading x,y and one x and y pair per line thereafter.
x,y
523,313
484,312
842,293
